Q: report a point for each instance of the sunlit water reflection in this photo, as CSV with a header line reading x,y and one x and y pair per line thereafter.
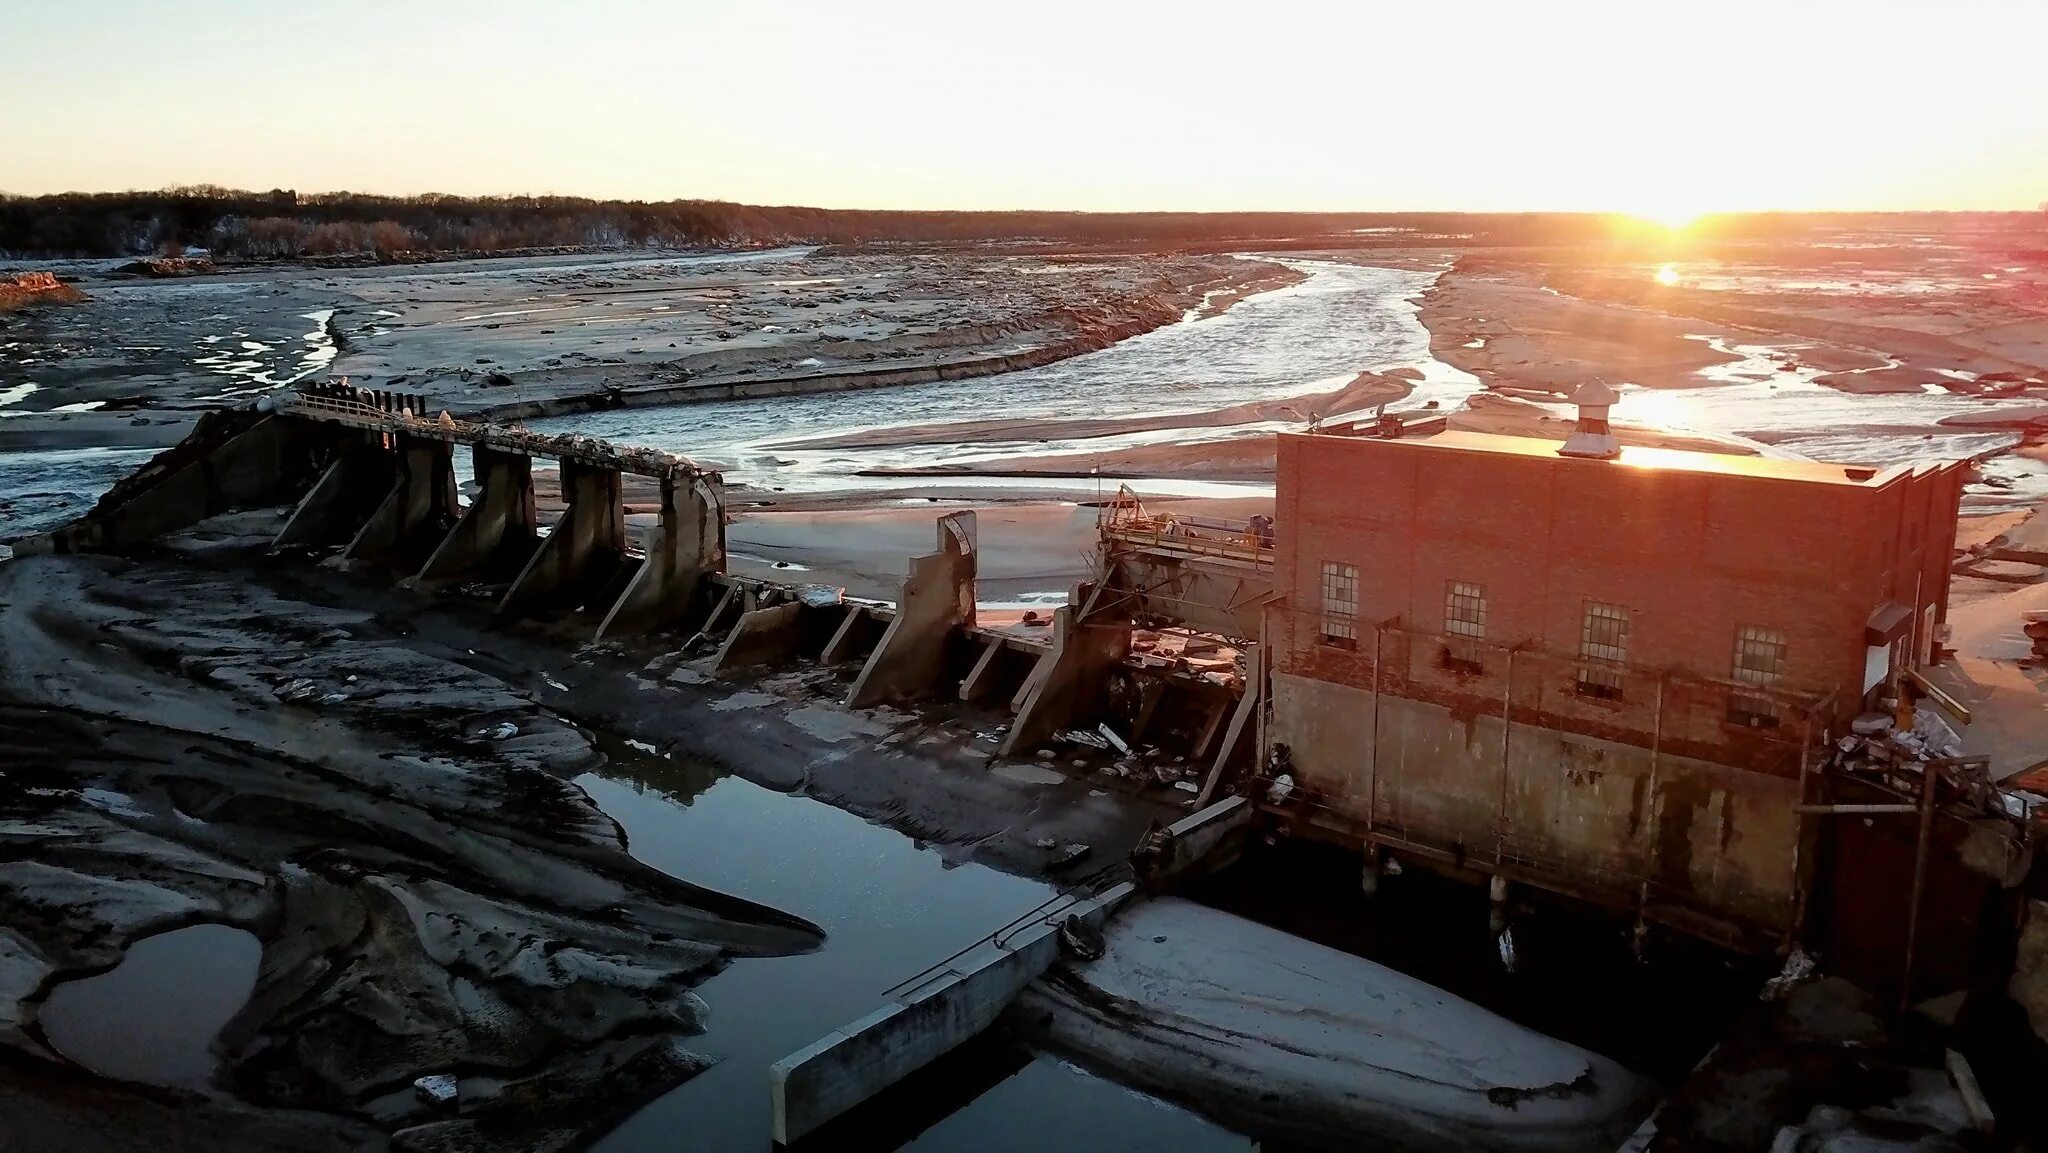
x,y
1305,339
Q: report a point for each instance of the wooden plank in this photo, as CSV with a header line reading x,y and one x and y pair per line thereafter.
x,y
1949,704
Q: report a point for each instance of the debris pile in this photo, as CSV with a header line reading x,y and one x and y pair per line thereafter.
x,y
35,288
168,266
1203,656
1143,763
2035,625
1875,745
1876,748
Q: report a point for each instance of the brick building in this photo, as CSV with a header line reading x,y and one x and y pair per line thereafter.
x,y
1605,673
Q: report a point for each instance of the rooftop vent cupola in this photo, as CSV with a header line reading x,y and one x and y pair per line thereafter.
x,y
1592,437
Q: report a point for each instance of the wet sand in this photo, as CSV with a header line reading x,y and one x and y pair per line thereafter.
x,y
1508,329
206,737
1367,390
478,335
1250,458
1025,549
1547,322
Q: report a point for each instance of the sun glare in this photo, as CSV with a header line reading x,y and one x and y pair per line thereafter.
x,y
1667,275
1674,217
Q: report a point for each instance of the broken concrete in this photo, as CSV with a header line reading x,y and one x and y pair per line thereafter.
x,y
762,636
499,523
586,546
682,548
937,601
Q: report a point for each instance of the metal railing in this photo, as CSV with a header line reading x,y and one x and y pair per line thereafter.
x,y
1042,913
403,413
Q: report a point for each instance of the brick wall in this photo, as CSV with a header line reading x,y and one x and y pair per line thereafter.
x,y
1691,556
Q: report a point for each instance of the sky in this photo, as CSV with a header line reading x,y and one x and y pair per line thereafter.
x,y
1664,108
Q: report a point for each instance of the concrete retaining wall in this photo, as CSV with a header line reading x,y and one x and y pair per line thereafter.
x,y
937,600
1202,841
231,460
846,1067
1608,817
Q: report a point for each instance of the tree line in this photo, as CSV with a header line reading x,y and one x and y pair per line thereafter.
x,y
282,223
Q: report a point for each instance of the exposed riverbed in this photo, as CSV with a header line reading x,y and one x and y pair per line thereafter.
x,y
1307,339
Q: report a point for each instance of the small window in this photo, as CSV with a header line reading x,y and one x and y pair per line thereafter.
x,y
1603,650
1464,625
1340,605
1759,661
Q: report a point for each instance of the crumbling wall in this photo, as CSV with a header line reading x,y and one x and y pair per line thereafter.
x,y
229,460
1590,816
937,600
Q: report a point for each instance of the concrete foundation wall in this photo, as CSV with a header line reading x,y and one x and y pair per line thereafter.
x,y
937,600
1201,842
344,496
762,636
591,533
687,544
816,1084
1601,817
228,461
498,522
422,498
1068,685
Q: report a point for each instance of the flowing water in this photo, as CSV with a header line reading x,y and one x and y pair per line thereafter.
x,y
1306,339
1298,341
1756,398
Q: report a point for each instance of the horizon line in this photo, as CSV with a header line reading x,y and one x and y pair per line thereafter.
x,y
196,190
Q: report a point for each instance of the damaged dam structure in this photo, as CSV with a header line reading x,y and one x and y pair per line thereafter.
x,y
371,481
1629,686
1587,693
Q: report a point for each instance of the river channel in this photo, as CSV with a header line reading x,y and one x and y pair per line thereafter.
x,y
889,907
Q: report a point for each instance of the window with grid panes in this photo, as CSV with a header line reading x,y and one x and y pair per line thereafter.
x,y
1759,661
1464,625
1340,605
1603,650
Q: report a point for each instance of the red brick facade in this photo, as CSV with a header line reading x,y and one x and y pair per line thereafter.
x,y
1691,548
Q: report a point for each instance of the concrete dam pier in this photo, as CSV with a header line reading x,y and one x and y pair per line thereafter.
x,y
371,479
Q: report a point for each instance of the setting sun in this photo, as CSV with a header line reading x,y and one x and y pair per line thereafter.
x,y
1674,216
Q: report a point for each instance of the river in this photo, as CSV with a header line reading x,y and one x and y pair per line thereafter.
x,y
1301,340
1309,338
889,907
